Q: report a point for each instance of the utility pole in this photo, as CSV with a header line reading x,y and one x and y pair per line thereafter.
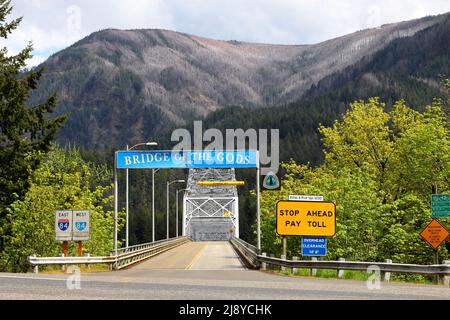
x,y
167,201
153,205
178,191
127,222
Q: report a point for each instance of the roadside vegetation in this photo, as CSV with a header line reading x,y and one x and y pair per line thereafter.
x,y
379,169
37,177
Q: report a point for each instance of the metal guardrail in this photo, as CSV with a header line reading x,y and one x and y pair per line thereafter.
x,y
124,258
247,251
251,254
439,269
138,253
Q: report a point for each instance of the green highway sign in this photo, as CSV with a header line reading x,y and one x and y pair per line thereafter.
x,y
440,205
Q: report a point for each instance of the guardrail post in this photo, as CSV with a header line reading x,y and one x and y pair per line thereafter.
x,y
63,266
263,264
294,270
386,276
444,278
271,266
111,264
313,272
340,272
88,265
283,257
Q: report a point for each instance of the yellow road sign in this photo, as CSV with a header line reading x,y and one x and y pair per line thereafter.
x,y
304,218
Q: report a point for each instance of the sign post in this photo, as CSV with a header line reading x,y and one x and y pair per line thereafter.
x,y
313,198
81,228
66,248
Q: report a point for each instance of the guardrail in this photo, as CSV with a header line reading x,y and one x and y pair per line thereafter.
x,y
257,260
247,251
124,258
135,254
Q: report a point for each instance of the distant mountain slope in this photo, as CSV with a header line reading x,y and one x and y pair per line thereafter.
x,y
407,68
123,86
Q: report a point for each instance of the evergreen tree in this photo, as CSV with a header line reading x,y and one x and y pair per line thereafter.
x,y
26,132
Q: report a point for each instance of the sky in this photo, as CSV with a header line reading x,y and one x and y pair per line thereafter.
x,y
53,25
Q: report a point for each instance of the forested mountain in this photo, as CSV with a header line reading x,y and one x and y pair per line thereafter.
x,y
119,87
408,68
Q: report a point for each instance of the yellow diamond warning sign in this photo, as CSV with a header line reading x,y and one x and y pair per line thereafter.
x,y
304,218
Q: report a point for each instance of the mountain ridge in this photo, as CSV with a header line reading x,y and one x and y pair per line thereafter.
x,y
135,83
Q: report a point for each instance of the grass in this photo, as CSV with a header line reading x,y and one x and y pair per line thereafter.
x,y
83,269
351,275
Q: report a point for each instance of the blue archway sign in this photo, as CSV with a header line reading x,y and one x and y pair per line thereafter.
x,y
186,159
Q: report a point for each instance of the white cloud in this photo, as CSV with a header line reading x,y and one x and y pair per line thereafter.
x,y
55,24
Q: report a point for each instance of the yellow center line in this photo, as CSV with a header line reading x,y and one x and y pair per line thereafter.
x,y
196,257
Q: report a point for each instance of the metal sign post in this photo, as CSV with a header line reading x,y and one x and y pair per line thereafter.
x,y
127,221
66,248
116,204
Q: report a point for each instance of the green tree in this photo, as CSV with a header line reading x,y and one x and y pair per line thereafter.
x,y
62,181
26,132
379,168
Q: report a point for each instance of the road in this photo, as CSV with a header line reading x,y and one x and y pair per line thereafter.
x,y
202,271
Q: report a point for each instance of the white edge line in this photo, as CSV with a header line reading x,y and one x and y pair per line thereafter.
x,y
31,278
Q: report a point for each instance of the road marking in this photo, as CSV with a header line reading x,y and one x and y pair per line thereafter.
x,y
197,256
31,278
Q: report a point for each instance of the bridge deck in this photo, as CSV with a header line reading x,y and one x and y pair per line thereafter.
x,y
214,255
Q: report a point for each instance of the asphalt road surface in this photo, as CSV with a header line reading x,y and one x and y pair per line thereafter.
x,y
201,271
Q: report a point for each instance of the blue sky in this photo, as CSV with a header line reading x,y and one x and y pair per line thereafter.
x,y
55,24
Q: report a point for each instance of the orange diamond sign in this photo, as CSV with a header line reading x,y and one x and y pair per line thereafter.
x,y
435,234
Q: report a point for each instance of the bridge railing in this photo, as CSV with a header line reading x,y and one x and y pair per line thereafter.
x,y
138,253
247,251
125,256
257,260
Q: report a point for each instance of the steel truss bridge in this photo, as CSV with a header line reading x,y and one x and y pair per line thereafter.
x,y
210,212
